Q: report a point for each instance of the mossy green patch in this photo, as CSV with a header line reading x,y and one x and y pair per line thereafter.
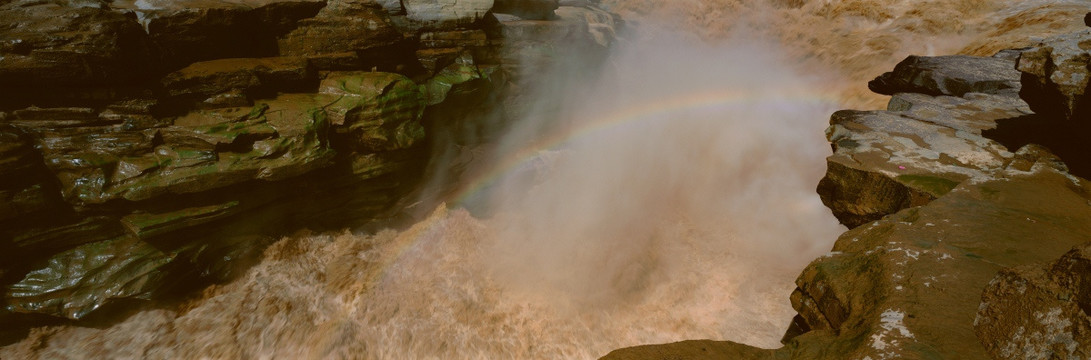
x,y
436,89
146,225
937,186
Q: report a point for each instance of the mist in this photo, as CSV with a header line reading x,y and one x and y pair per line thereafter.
x,y
668,195
690,159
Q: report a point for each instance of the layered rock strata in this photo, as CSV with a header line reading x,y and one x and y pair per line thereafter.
x,y
966,241
149,146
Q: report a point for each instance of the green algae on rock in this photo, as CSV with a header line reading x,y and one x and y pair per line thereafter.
x,y
80,280
374,111
203,127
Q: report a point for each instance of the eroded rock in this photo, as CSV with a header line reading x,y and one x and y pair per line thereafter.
x,y
1056,76
953,75
115,268
1036,312
886,161
234,129
374,111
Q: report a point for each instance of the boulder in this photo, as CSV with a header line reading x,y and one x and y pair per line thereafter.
x,y
953,75
1039,312
527,9
1056,77
446,14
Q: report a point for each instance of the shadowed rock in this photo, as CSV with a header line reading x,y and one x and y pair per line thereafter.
x,y
1055,79
527,9
66,52
251,77
189,31
152,146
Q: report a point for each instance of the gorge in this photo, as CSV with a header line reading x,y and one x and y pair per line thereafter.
x,y
544,179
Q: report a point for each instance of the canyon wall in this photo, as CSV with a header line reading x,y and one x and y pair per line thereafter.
x,y
153,146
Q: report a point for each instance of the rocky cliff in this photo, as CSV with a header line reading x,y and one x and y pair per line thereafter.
x,y
969,212
151,145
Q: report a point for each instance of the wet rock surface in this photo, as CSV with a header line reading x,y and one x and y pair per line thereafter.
x,y
967,239
148,147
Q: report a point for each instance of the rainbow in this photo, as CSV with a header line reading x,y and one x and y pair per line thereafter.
x,y
722,100
646,112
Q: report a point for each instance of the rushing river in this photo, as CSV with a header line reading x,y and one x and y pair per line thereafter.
x,y
674,201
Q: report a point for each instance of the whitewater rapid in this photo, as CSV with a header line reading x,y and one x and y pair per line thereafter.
x,y
676,202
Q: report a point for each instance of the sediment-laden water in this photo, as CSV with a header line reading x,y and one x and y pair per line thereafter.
x,y
673,200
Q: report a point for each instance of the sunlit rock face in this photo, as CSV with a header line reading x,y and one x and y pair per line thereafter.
x,y
927,142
